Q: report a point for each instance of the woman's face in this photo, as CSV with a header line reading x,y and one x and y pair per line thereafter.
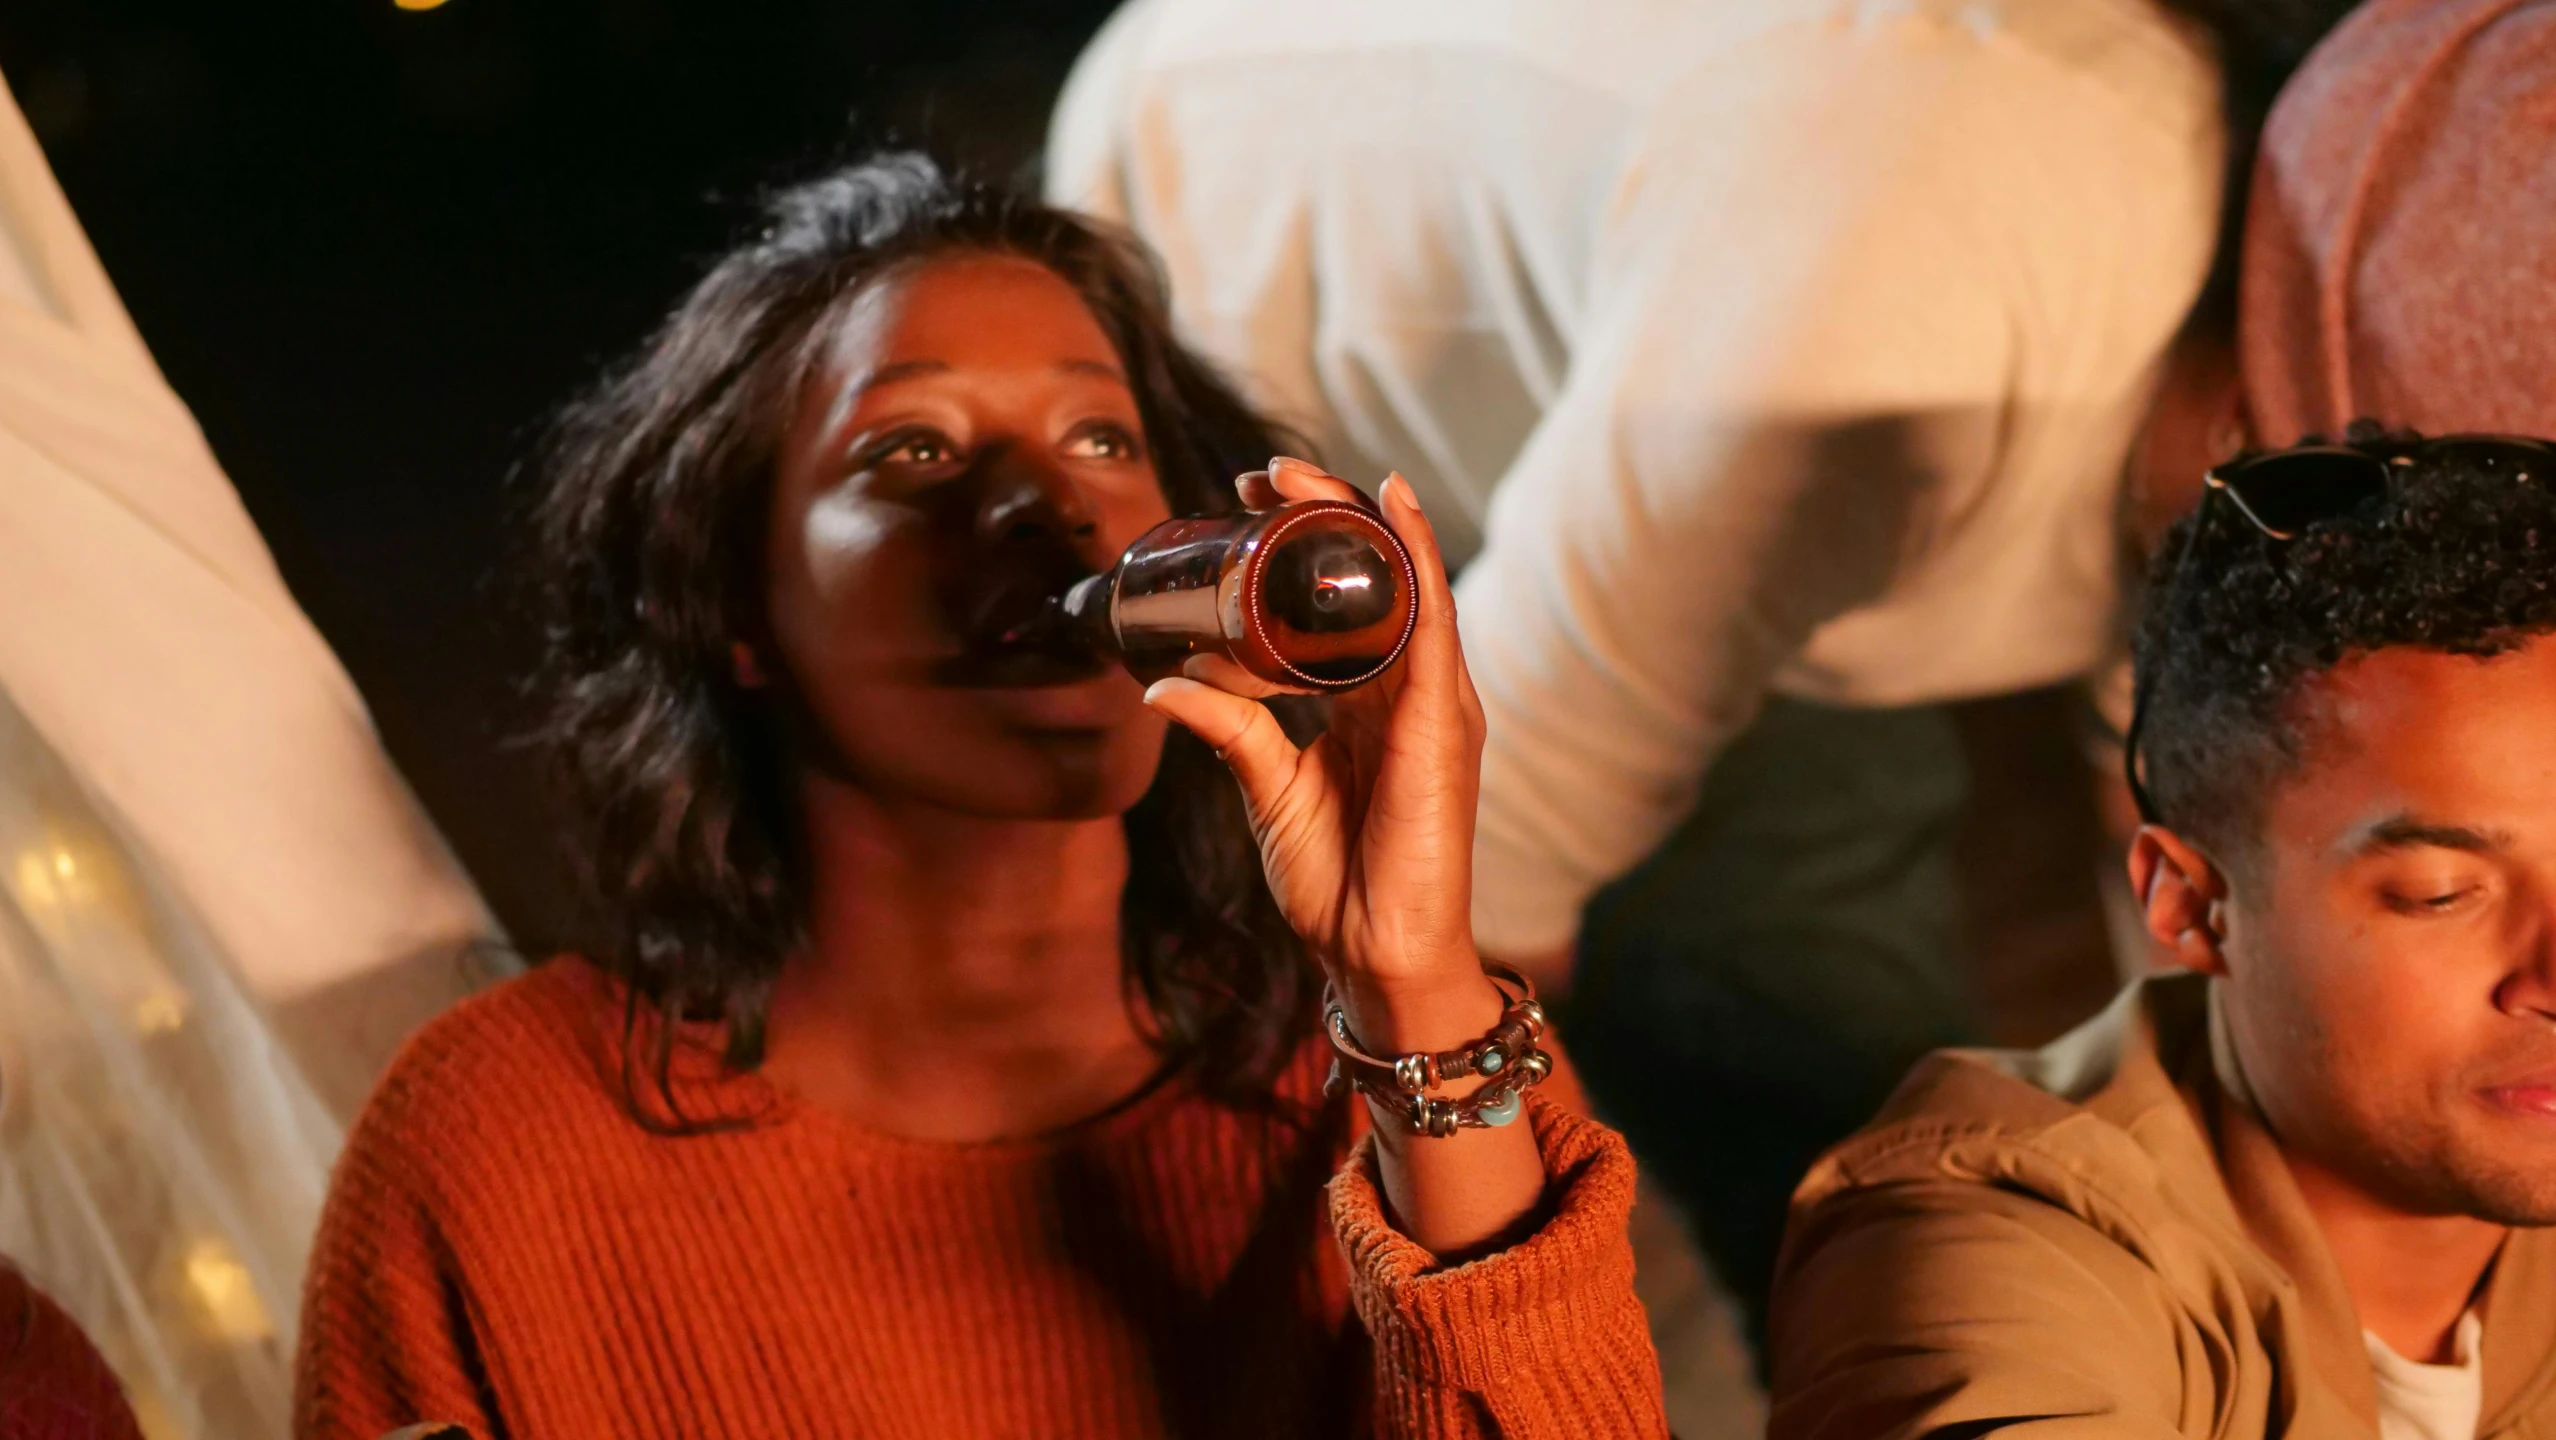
x,y
969,445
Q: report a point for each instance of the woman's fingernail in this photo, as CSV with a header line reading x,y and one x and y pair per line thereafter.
x,y
1156,691
1410,496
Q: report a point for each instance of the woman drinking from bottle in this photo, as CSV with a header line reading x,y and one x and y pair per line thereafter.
x,y
948,1063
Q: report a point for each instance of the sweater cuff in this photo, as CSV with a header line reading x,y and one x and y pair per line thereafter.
x,y
1486,1324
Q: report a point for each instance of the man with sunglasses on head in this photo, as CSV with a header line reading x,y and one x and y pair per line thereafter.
x,y
2296,1189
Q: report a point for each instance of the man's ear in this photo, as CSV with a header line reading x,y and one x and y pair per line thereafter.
x,y
2179,892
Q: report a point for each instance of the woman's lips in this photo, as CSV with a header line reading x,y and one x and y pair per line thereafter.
x,y
1012,638
1007,620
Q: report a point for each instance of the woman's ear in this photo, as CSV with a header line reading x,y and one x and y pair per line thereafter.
x,y
2179,892
746,666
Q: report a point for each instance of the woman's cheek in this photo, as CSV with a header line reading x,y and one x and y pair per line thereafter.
x,y
842,537
861,571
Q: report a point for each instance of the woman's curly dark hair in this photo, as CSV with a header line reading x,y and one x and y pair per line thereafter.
x,y
2459,557
646,564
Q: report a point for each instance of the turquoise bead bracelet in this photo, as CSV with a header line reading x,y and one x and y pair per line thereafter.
x,y
1508,1057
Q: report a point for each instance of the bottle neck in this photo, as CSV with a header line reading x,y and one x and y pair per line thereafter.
x,y
1082,613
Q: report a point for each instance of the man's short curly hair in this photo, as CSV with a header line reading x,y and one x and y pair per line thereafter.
x,y
2459,557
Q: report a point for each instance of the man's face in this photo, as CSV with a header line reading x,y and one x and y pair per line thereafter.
x,y
2391,950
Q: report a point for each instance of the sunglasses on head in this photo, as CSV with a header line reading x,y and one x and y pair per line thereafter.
x,y
2282,493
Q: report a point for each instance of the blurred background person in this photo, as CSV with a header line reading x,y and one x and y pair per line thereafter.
x,y
1786,359
220,908
2399,264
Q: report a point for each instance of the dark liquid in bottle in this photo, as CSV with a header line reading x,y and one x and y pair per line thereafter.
x,y
1330,598
1315,595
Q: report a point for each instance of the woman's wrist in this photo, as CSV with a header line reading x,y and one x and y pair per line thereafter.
x,y
1438,1014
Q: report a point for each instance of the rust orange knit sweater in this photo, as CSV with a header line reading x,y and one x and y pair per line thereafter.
x,y
507,1247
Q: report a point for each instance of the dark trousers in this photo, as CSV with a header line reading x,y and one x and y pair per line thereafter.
x,y
1752,993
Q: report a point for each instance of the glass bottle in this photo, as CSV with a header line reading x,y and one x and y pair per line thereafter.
x,y
1314,595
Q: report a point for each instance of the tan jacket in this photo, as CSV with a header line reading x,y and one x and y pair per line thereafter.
x,y
2095,1240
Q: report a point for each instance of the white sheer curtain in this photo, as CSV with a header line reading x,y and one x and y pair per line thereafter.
x,y
164,1158
220,908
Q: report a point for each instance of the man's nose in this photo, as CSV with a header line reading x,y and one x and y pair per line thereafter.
x,y
2529,989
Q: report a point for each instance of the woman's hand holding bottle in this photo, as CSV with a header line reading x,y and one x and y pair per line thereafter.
x,y
1367,838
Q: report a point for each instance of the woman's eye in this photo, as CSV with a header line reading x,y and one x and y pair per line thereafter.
x,y
1102,441
915,448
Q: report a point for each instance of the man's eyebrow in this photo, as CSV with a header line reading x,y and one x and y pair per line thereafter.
x,y
2404,832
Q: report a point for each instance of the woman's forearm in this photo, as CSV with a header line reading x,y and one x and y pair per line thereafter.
x,y
1462,1195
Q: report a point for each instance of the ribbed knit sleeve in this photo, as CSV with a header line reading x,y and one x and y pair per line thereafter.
x,y
1543,1339
386,1330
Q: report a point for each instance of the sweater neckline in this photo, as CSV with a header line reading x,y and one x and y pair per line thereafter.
x,y
707,1089
1130,1114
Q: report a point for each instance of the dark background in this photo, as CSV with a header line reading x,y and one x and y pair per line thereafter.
x,y
373,248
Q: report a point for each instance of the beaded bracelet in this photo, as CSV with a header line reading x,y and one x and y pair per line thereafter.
x,y
1507,1056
